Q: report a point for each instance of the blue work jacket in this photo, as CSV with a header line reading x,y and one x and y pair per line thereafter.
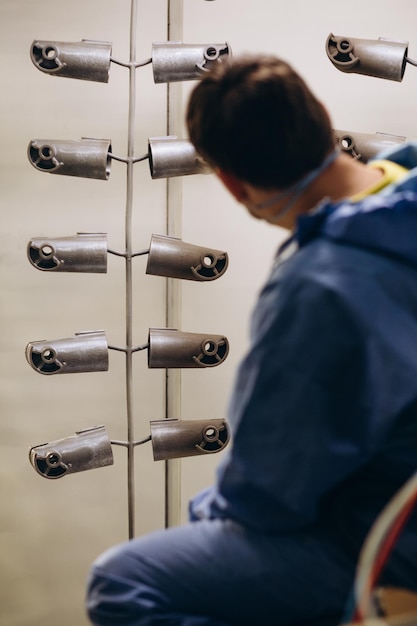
x,y
324,409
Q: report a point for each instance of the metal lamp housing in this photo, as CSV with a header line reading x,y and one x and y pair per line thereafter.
x,y
174,61
381,58
85,60
85,352
170,348
170,156
84,252
86,158
87,449
173,438
172,257
364,146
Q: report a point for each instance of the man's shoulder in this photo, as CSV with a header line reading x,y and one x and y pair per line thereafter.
x,y
322,255
327,269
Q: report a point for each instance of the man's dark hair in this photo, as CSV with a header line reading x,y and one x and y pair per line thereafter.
x,y
255,118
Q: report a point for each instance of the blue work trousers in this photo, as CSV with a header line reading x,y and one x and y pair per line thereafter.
x,y
219,573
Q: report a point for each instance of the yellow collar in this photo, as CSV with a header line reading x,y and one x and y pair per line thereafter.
x,y
392,173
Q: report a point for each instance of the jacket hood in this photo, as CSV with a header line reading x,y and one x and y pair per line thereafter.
x,y
385,222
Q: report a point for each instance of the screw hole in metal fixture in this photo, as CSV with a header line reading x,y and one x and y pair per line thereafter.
x,y
45,152
43,256
45,57
48,355
209,261
43,156
49,52
214,439
210,434
211,266
211,53
53,459
346,143
212,352
210,348
345,45
46,251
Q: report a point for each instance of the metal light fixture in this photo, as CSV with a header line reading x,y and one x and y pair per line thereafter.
x,y
170,348
87,158
170,156
364,146
381,58
173,438
170,256
85,60
86,352
84,252
87,449
174,61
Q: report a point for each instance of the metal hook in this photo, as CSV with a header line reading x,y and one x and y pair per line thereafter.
x,y
89,448
381,58
173,438
85,60
84,252
171,348
86,352
87,158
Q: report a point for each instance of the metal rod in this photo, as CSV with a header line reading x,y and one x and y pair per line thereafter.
x,y
132,159
115,252
126,444
128,264
144,346
173,288
140,253
138,64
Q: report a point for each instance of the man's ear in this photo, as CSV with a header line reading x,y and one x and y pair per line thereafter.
x,y
233,184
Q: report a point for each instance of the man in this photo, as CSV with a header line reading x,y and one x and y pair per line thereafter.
x,y
324,410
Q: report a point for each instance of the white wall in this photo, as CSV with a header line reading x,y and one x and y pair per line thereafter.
x,y
50,531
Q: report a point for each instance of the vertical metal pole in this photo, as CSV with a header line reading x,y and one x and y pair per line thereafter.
x,y
128,253
173,294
